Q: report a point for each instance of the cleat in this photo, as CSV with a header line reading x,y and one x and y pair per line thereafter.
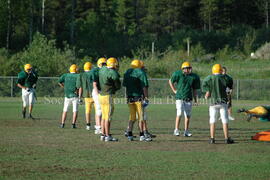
x,y
88,127
145,138
23,114
126,133
151,135
241,110
102,137
249,116
212,141
231,118
110,138
31,117
187,134
130,138
62,125
73,126
97,131
229,141
176,132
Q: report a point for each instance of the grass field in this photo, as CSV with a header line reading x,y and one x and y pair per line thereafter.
x,y
38,149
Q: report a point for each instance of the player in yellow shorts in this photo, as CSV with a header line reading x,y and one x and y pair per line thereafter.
x,y
85,85
109,81
136,83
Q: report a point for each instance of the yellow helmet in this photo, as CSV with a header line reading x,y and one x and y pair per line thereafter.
x,y
217,69
112,62
101,61
87,66
186,64
27,67
136,64
73,68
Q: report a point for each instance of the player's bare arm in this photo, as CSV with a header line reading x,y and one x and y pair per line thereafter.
x,y
172,86
207,95
61,85
21,86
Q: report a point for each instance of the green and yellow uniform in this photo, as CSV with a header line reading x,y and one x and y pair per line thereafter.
x,y
109,80
27,80
216,85
185,84
261,112
85,81
69,79
134,81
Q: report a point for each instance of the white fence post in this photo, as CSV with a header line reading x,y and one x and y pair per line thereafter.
x,y
237,89
11,87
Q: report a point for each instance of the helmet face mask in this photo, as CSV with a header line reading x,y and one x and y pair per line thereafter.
x,y
101,62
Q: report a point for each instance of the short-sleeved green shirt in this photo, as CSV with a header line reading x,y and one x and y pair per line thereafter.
x,y
27,80
109,80
134,81
85,81
216,85
185,84
69,80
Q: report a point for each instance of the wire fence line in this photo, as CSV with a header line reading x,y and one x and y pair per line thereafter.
x,y
245,89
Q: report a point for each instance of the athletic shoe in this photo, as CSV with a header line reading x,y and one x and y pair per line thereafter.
x,y
187,134
31,117
231,118
88,127
212,141
73,126
23,114
144,138
249,116
130,138
229,141
126,133
241,110
151,135
102,137
110,138
97,131
176,132
62,125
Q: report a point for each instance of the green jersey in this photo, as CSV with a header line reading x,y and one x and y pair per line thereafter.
x,y
96,78
85,81
109,80
69,80
216,85
27,80
134,81
185,84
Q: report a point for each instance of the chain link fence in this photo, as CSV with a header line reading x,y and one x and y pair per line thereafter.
x,y
158,88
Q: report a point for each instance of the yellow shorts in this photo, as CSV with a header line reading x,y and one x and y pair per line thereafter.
x,y
135,109
88,105
257,111
107,106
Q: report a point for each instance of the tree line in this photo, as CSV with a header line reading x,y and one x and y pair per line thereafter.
x,y
121,27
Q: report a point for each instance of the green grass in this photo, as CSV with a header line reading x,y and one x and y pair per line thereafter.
x,y
40,150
